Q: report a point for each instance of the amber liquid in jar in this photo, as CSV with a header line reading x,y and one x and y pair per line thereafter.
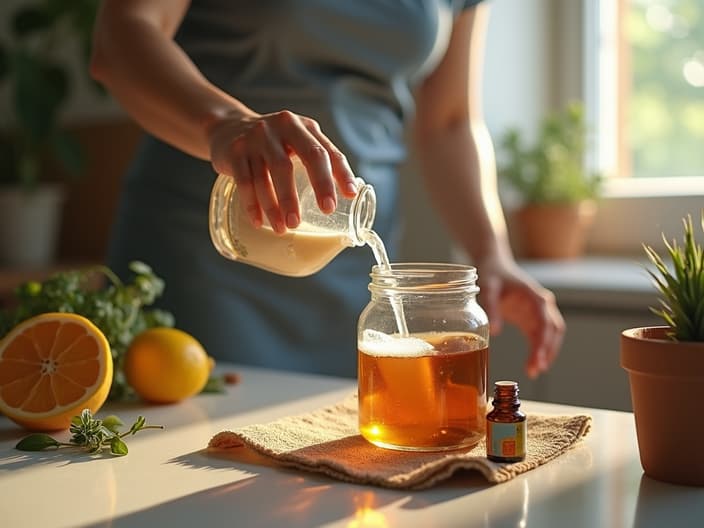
x,y
425,392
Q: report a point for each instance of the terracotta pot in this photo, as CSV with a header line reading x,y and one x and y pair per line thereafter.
x,y
552,231
667,385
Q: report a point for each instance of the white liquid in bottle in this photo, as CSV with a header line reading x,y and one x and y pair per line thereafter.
x,y
307,248
301,251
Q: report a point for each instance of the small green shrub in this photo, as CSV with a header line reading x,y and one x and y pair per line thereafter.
x,y
552,170
35,73
681,284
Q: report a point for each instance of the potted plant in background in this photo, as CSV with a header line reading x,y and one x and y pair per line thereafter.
x,y
557,194
36,63
665,366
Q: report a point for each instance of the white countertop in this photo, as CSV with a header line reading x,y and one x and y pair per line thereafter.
x,y
168,480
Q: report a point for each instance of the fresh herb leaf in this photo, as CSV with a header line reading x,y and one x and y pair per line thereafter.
x,y
37,442
137,425
117,446
214,385
90,434
112,423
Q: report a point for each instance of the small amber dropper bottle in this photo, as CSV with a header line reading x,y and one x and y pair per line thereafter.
x,y
506,425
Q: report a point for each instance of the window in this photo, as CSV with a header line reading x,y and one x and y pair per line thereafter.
x,y
645,87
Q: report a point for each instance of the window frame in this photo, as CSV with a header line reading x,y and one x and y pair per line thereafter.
x,y
633,210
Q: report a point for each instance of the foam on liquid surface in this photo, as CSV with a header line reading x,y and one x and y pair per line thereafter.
x,y
380,344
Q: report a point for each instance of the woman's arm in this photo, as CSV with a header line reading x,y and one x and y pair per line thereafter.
x,y
456,155
137,59
455,150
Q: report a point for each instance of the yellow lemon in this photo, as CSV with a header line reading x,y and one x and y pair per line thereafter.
x,y
166,365
53,366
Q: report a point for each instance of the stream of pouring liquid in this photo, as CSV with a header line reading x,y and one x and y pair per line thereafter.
x,y
373,240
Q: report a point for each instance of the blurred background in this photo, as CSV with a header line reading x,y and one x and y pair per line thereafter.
x,y
635,67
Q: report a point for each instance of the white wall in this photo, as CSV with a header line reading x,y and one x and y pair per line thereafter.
x,y
518,68
518,88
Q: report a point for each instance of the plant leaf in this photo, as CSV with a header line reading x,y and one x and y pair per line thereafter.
x,y
39,90
214,385
86,417
112,423
36,442
681,285
140,268
4,62
137,425
118,447
28,20
68,151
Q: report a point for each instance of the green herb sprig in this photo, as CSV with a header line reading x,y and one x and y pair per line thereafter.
x,y
118,309
89,434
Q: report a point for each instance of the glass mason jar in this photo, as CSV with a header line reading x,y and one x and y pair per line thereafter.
x,y
423,352
301,251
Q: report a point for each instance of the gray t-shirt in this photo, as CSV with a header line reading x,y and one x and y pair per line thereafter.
x,y
349,64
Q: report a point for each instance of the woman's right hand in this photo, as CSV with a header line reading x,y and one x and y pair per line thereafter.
x,y
135,56
256,150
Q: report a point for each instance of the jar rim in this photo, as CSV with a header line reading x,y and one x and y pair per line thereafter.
x,y
424,277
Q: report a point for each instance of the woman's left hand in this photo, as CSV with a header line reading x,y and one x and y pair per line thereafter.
x,y
508,294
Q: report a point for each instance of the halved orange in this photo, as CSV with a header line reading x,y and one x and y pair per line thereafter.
x,y
53,366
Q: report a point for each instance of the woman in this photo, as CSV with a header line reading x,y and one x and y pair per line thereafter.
x,y
236,87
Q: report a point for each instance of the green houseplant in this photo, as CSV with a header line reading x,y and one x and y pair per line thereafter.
x,y
556,193
37,76
665,365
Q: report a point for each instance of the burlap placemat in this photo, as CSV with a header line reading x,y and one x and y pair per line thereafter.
x,y
327,441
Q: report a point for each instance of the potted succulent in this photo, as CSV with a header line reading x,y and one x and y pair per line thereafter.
x,y
35,77
556,193
665,366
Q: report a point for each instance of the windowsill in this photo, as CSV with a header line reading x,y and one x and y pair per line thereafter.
x,y
638,212
596,282
666,187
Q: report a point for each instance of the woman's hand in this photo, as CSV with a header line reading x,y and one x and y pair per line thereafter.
x,y
509,295
256,150
456,153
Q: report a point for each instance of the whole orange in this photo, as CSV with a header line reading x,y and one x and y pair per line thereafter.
x,y
166,365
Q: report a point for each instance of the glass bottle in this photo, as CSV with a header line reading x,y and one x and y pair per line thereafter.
x,y
301,251
423,347
506,425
